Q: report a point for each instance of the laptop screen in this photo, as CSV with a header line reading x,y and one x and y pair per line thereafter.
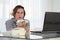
x,y
52,21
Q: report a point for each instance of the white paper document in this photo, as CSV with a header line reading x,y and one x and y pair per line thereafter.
x,y
35,37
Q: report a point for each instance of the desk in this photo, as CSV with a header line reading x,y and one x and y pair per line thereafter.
x,y
6,38
54,36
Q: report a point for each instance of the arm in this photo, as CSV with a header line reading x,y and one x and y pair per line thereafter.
x,y
28,26
27,29
9,25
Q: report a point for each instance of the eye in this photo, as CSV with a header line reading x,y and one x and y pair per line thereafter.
x,y
22,12
17,12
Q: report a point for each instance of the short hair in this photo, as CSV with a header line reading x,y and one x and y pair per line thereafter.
x,y
16,8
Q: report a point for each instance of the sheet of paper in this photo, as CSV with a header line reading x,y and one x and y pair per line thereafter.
x,y
35,37
1,35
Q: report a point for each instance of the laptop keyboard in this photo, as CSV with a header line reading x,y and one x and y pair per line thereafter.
x,y
46,34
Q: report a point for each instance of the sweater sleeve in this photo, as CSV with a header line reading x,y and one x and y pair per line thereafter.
x,y
10,25
28,24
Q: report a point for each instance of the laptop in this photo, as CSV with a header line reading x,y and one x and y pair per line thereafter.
x,y
51,25
51,22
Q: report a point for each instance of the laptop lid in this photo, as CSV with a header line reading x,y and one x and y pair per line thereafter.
x,y
51,22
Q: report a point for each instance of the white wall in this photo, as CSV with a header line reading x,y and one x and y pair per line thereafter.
x,y
56,5
46,5
6,7
35,10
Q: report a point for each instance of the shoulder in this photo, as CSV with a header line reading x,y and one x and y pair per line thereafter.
x,y
28,23
10,20
26,20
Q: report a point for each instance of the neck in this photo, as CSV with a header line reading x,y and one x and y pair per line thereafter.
x,y
18,19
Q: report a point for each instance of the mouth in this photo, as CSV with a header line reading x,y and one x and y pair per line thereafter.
x,y
19,17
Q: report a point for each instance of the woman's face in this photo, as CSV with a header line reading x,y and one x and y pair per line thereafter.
x,y
19,14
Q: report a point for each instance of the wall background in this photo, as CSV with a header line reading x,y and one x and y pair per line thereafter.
x,y
35,11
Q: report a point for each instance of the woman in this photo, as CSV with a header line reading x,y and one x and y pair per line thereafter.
x,y
18,13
